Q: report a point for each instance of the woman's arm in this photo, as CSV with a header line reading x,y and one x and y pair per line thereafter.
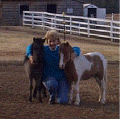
x,y
29,53
29,50
77,51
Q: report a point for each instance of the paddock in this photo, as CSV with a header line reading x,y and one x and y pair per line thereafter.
x,y
14,84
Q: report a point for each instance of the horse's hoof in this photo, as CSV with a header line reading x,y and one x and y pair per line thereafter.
x,y
51,102
101,101
69,102
40,101
77,103
34,96
29,101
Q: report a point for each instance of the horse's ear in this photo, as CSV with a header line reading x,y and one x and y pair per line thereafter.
x,y
67,43
33,39
43,39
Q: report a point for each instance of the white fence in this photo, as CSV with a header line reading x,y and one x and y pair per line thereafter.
x,y
73,24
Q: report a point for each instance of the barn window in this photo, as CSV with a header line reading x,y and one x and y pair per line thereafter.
x,y
23,8
51,8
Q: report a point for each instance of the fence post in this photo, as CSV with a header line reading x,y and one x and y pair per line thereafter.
x,y
55,21
111,28
43,21
70,25
79,28
23,18
51,22
32,20
88,27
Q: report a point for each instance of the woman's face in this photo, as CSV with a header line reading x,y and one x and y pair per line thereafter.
x,y
52,43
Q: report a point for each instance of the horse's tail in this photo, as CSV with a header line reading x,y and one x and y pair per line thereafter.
x,y
104,80
105,70
104,66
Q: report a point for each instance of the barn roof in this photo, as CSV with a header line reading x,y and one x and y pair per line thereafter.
x,y
89,6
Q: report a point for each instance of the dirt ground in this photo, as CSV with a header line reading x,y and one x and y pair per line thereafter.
x,y
14,84
14,93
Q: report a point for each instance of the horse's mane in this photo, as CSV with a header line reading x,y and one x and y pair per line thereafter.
x,y
63,45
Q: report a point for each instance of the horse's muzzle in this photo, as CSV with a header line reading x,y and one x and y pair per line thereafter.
x,y
61,66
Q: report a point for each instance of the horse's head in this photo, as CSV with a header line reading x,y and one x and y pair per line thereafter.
x,y
65,51
38,42
38,48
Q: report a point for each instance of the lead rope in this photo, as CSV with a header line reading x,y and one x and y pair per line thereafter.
x,y
64,24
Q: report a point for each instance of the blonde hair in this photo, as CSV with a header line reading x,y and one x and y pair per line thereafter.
x,y
52,34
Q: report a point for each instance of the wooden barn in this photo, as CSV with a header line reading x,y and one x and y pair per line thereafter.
x,y
11,10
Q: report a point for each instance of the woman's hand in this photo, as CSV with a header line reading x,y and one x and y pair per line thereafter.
x,y
31,59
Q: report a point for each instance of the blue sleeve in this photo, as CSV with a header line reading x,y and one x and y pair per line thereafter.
x,y
77,50
29,50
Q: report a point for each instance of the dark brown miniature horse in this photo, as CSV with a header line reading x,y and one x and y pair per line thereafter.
x,y
35,70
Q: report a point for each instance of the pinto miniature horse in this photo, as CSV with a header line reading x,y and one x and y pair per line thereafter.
x,y
83,67
35,70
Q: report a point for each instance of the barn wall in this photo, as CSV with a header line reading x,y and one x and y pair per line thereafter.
x,y
38,7
42,6
11,15
10,10
0,12
76,6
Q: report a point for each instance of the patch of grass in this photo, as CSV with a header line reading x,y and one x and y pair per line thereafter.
x,y
17,38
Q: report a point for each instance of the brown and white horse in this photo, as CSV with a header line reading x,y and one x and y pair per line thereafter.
x,y
83,67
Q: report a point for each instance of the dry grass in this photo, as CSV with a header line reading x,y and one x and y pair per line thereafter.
x,y
116,17
14,93
14,40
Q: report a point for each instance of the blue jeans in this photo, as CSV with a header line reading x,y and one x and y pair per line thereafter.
x,y
60,89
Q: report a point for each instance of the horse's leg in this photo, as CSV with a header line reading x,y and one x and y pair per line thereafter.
x,y
35,91
28,70
39,87
71,94
104,83
39,90
43,90
31,87
102,86
77,102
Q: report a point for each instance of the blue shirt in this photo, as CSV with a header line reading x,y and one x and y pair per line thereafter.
x,y
51,62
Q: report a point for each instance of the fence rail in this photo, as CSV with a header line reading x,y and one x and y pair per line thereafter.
x,y
73,24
